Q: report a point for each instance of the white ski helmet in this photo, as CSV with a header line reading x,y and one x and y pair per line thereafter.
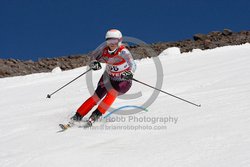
x,y
114,33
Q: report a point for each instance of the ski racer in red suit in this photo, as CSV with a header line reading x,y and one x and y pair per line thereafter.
x,y
115,81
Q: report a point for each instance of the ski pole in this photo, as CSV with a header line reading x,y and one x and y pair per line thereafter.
x,y
49,95
197,105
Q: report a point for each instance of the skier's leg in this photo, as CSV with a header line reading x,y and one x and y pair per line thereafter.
x,y
83,110
118,88
88,105
107,101
122,86
103,106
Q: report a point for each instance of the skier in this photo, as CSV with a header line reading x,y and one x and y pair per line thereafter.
x,y
115,81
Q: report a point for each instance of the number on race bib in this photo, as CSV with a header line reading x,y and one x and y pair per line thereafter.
x,y
113,68
117,68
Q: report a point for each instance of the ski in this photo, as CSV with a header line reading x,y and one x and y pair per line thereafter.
x,y
64,127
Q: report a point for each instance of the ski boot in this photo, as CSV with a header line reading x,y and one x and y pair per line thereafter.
x,y
73,121
77,117
93,118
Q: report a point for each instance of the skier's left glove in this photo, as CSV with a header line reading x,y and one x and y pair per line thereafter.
x,y
95,65
127,75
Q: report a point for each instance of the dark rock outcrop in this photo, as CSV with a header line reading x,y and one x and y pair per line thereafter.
x,y
12,67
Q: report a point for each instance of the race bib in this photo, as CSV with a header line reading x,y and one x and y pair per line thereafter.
x,y
117,68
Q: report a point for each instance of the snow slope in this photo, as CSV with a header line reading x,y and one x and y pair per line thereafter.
x,y
217,134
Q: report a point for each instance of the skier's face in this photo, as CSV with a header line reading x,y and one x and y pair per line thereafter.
x,y
112,43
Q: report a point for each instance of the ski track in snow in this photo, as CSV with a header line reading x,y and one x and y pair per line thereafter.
x,y
217,134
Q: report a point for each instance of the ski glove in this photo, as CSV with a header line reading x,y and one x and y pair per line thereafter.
x,y
95,65
127,75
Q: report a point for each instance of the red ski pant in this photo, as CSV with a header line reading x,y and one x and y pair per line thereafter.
x,y
106,93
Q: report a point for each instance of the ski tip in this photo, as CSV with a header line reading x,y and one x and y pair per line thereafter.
x,y
64,126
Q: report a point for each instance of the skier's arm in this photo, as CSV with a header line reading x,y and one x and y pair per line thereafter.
x,y
97,54
96,58
129,59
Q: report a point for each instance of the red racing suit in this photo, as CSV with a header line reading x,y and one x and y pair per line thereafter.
x,y
111,83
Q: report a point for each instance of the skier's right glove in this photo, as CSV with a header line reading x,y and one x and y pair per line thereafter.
x,y
95,65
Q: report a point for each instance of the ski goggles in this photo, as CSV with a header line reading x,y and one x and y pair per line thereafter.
x,y
112,41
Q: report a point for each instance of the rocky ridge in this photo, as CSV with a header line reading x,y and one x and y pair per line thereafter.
x,y
14,67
